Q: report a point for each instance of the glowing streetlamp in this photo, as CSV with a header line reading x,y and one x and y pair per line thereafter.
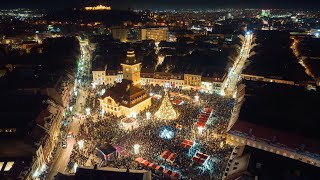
x,y
75,167
148,115
43,167
81,144
133,115
94,85
222,93
234,94
136,148
71,108
88,111
102,112
196,98
221,144
200,129
36,174
102,91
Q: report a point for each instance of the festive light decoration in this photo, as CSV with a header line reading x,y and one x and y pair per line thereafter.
x,y
136,148
75,167
166,111
148,115
166,133
196,98
129,123
200,130
88,111
81,144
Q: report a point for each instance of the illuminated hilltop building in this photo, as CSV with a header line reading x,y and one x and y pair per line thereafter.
x,y
98,8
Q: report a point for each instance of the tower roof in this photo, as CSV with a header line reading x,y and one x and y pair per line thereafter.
x,y
131,57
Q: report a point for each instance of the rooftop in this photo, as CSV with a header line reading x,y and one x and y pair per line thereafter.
x,y
274,58
268,165
125,92
282,114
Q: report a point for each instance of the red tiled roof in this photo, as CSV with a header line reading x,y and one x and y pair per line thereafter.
x,y
269,135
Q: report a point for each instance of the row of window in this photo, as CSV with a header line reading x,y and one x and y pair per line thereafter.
x,y
267,148
8,130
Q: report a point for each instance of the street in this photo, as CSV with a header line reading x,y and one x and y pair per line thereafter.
x,y
62,158
234,74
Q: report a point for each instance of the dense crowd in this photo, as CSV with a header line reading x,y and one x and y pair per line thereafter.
x,y
99,129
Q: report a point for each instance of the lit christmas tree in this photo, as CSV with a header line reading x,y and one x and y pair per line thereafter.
x,y
166,111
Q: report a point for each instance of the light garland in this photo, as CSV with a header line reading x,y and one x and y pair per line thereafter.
x,y
166,111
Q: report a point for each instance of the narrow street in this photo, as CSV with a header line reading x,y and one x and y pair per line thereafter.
x,y
61,160
234,74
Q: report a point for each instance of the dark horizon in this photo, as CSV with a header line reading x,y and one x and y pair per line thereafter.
x,y
164,4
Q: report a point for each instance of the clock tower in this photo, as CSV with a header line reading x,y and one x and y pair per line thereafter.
x,y
131,68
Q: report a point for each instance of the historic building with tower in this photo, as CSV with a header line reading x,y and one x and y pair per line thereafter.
x,y
127,98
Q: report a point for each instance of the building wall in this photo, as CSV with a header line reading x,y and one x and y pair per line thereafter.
x,y
192,80
157,34
237,140
99,77
132,73
137,108
110,106
261,78
120,34
172,81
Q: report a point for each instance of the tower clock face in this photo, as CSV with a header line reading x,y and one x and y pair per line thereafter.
x,y
127,69
135,69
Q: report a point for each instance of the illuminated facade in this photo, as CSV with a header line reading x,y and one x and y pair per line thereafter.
x,y
156,34
97,8
127,98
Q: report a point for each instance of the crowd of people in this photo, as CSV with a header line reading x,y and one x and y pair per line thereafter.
x,y
99,129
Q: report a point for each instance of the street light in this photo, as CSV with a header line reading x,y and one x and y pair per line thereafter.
x,y
94,85
222,93
102,112
81,144
221,144
196,98
200,129
88,111
148,115
136,148
133,115
75,167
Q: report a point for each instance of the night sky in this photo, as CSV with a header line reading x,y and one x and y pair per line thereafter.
x,y
125,4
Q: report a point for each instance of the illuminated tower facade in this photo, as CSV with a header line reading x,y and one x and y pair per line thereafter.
x,y
131,68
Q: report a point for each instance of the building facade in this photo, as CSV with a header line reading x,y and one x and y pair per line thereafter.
x,y
126,98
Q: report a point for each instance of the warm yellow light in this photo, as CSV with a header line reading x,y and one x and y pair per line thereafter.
x,y
98,8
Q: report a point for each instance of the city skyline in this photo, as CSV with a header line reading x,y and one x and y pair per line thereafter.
x,y
171,4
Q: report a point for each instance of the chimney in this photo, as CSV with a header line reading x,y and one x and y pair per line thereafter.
x,y
274,138
250,131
